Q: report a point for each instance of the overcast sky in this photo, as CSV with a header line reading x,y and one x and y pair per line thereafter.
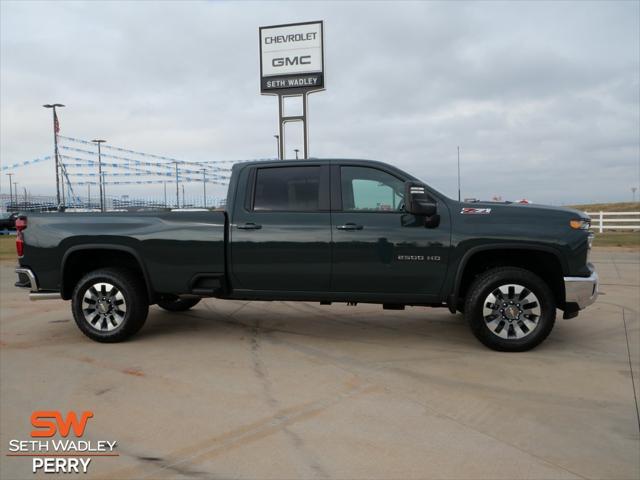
x,y
542,97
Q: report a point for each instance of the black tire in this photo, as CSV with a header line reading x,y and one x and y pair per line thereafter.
x,y
485,318
129,287
178,304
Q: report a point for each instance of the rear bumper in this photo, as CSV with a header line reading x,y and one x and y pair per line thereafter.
x,y
582,291
27,279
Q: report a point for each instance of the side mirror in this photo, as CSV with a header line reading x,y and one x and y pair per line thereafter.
x,y
417,201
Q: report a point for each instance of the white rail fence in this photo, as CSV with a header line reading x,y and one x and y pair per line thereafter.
x,y
601,221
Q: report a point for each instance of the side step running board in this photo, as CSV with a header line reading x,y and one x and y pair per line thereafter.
x,y
45,296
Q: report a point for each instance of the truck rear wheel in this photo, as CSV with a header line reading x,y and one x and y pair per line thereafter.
x,y
510,309
178,304
110,305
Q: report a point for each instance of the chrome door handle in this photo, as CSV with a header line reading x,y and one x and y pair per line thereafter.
x,y
249,226
349,226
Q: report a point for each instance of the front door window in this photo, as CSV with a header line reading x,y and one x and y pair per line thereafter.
x,y
370,190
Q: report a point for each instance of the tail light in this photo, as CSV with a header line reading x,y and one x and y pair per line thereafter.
x,y
21,225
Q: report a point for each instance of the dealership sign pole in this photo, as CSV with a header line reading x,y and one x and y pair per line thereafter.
x,y
292,65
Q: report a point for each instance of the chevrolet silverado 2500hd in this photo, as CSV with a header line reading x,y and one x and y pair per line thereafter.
x,y
323,231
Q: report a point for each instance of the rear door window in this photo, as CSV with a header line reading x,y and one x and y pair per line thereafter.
x,y
287,189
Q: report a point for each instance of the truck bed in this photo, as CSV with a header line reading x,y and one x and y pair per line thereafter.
x,y
179,252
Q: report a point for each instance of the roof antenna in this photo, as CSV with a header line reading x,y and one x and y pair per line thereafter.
x,y
458,172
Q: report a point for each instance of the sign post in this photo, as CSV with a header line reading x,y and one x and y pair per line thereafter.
x,y
292,65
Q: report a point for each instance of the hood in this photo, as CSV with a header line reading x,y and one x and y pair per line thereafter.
x,y
524,217
526,209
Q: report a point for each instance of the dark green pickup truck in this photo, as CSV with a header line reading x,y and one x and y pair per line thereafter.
x,y
322,231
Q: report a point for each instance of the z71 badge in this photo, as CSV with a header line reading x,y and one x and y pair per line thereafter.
x,y
475,211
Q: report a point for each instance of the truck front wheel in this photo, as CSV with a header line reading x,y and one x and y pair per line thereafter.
x,y
110,305
510,309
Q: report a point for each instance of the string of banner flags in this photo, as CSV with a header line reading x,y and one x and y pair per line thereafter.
x,y
79,166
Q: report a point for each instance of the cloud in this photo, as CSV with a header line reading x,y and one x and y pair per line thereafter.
x,y
543,98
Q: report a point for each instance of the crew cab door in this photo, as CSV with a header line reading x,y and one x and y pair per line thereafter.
x,y
281,229
377,246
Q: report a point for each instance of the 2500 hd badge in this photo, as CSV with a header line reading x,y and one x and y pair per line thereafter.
x,y
419,258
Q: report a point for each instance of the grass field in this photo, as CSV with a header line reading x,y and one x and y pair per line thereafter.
x,y
609,207
8,247
617,239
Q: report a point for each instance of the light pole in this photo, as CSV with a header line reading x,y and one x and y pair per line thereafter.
x,y
177,187
296,150
64,201
10,188
15,189
204,188
165,194
89,196
458,173
102,196
633,194
277,137
56,129
183,203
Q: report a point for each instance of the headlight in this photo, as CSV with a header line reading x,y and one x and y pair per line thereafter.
x,y
580,224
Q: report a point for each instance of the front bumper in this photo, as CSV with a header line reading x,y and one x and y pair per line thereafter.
x,y
582,291
27,279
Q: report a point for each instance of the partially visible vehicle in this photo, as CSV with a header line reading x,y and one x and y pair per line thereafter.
x,y
8,221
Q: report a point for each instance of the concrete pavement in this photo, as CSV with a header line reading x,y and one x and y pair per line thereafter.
x,y
297,390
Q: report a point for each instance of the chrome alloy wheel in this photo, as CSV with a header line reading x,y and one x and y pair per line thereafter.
x,y
511,311
104,306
